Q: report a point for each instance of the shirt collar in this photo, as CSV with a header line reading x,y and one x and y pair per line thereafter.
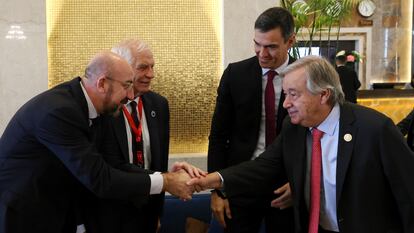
x,y
136,100
278,69
92,113
329,125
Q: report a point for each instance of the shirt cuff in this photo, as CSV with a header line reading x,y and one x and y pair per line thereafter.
x,y
222,180
80,229
157,182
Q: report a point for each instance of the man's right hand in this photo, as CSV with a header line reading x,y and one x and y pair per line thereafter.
x,y
220,206
175,183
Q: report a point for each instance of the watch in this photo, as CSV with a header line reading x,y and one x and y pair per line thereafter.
x,y
366,8
220,193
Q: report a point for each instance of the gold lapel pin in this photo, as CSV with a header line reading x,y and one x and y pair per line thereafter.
x,y
348,137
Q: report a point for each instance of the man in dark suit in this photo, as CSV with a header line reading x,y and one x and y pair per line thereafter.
x,y
119,148
47,152
247,118
348,78
356,176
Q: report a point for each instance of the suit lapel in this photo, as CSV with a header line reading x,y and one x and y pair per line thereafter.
x,y
121,135
347,136
152,124
80,98
297,159
256,74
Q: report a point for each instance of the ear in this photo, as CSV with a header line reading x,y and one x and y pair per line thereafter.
x,y
325,96
292,40
100,84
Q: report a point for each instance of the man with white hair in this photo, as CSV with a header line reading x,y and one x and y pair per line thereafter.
x,y
138,142
349,168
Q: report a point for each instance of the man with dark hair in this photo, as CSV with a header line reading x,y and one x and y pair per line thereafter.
x,y
349,79
247,118
349,168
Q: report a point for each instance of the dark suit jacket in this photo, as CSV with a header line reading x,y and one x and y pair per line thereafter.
x,y
115,151
47,156
373,177
406,127
349,82
236,120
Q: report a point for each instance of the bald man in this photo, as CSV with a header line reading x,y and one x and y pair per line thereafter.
x,y
48,154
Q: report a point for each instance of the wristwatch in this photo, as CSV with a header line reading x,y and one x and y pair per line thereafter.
x,y
220,193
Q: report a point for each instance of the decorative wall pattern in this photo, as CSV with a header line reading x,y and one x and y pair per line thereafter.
x,y
185,38
394,108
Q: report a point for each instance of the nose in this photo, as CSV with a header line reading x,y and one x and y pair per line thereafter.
x,y
263,51
150,73
130,93
286,102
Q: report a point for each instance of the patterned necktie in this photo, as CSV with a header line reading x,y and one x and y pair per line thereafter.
x,y
270,108
137,147
315,181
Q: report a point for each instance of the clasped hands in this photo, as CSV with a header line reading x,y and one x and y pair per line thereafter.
x,y
184,179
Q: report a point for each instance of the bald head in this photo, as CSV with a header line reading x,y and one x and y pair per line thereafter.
x,y
105,64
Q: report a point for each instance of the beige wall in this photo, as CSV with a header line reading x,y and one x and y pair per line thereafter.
x,y
23,62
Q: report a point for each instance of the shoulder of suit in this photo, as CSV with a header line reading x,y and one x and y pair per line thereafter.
x,y
252,61
365,115
154,96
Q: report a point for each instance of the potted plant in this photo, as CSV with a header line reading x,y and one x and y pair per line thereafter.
x,y
316,17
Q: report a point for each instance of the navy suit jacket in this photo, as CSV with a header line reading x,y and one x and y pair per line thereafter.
x,y
109,215
47,156
374,191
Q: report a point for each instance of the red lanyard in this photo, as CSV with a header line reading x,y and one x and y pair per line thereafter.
x,y
137,130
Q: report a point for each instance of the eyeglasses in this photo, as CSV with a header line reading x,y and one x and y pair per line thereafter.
x,y
126,85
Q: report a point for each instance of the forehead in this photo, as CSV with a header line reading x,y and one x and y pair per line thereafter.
x,y
144,56
295,79
274,35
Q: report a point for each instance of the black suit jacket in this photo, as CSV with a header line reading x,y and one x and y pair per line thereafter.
x,y
236,120
406,127
374,173
349,82
112,215
47,156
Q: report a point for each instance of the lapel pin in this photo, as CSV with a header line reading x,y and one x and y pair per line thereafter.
x,y
348,137
153,114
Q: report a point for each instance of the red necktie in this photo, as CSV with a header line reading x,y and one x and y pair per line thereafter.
x,y
315,181
270,108
137,146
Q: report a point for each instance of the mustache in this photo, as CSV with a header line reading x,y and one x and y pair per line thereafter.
x,y
124,101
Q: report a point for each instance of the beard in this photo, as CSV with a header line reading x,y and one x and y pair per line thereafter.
x,y
111,108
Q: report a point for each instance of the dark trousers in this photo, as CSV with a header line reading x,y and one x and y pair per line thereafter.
x,y
248,218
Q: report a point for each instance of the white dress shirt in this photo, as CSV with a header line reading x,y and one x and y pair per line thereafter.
x,y
157,180
277,84
145,135
329,145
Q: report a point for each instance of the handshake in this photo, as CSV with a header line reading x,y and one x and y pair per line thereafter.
x,y
185,179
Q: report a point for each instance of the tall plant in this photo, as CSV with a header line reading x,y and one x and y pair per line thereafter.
x,y
318,17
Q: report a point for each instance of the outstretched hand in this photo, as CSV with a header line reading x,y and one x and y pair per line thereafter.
x,y
192,171
211,181
176,184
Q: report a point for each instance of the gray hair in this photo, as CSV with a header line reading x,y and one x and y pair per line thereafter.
x,y
321,75
128,48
